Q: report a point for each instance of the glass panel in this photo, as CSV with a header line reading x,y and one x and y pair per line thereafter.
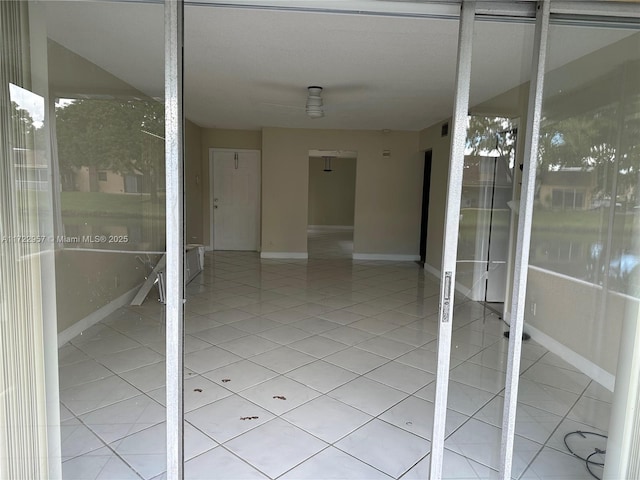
x,y
485,218
113,188
582,289
320,362
82,228
501,63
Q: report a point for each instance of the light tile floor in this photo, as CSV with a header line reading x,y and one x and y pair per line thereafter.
x,y
316,370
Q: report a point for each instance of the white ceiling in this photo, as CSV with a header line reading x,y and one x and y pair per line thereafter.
x,y
250,68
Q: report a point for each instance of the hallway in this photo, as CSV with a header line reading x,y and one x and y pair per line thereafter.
x,y
329,243
315,370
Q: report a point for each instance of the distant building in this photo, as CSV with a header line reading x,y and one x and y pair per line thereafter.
x,y
570,188
90,179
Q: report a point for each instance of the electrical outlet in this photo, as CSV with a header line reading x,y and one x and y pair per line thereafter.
x,y
533,307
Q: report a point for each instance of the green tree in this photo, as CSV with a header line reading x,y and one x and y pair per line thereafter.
x,y
27,134
490,134
593,141
124,136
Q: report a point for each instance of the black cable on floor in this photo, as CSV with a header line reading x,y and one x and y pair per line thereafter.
x,y
587,460
487,305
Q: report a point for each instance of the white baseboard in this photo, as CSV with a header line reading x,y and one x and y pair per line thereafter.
x,y
384,256
285,255
432,270
586,366
330,228
93,318
436,273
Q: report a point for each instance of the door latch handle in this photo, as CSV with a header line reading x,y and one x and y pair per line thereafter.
x,y
446,303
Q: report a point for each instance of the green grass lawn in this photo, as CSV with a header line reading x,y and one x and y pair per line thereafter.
x,y
556,221
110,204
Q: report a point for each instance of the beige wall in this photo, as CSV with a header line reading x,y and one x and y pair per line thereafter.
x,y
71,74
87,281
432,139
221,138
566,311
388,190
193,183
332,195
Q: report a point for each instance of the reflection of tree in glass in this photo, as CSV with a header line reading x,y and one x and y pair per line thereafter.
x,y
123,136
602,143
590,141
21,117
27,147
490,134
25,129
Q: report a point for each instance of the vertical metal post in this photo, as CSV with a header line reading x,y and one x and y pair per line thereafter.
x,y
450,244
623,454
173,15
534,111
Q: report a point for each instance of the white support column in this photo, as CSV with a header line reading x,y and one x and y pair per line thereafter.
x,y
534,111
623,446
47,224
450,244
175,236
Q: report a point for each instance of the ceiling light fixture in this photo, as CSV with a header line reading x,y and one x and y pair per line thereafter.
x,y
314,102
327,164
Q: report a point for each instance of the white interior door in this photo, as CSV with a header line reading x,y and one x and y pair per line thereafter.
x,y
235,199
498,248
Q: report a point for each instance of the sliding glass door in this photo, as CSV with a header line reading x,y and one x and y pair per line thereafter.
x,y
560,392
584,242
83,223
494,135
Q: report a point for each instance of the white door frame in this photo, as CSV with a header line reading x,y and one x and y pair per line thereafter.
x,y
449,256
450,238
212,152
